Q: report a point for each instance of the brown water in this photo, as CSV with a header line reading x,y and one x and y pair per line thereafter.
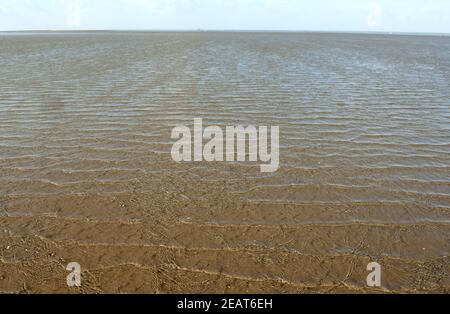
x,y
86,174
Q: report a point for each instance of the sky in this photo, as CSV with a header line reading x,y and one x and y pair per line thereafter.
x,y
427,16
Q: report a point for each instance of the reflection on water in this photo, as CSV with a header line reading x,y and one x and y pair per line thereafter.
x,y
86,172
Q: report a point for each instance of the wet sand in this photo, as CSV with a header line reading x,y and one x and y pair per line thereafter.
x,y
86,173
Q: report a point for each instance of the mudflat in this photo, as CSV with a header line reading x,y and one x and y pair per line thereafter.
x,y
86,173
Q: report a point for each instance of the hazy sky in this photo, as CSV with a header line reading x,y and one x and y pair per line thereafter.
x,y
331,15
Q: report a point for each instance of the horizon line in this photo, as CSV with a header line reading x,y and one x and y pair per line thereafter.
x,y
199,30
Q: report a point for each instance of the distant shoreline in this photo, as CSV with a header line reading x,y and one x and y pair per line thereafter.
x,y
221,31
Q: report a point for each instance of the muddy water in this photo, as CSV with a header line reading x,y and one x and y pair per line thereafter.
x,y
86,173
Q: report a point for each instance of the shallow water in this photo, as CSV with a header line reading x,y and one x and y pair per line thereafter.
x,y
86,173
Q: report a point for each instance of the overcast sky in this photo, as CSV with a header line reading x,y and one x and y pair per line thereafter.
x,y
432,16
